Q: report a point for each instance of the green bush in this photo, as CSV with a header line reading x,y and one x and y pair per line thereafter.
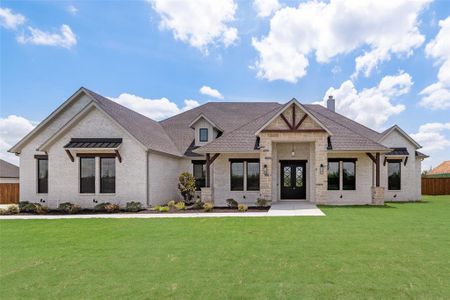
x,y
155,208
232,203
101,207
171,203
133,206
208,206
198,204
3,211
34,208
180,205
10,210
23,205
112,208
40,210
242,207
261,202
163,209
69,208
186,186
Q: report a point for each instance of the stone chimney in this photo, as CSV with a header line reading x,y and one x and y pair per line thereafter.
x,y
331,103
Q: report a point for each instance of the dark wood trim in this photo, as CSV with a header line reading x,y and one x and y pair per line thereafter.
x,y
294,130
370,155
118,155
293,116
70,155
111,155
293,161
384,161
209,161
41,156
377,170
406,160
213,158
343,159
286,121
398,160
301,121
198,162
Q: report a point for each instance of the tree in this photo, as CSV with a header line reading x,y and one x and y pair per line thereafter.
x,y
186,186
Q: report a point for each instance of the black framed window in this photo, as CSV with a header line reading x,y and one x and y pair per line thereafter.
x,y
87,175
348,175
333,175
199,168
394,174
203,134
107,175
253,175
237,176
42,172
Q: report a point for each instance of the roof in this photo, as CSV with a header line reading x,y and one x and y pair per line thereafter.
x,y
388,131
93,143
443,168
8,170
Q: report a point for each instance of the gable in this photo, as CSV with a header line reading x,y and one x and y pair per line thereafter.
x,y
293,117
396,137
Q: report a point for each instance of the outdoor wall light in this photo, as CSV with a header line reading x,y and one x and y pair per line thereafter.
x,y
95,201
266,173
293,150
321,168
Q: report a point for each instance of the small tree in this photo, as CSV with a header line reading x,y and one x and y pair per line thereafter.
x,y
186,186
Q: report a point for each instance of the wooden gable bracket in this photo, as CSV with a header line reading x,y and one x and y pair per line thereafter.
x,y
70,155
376,161
209,161
384,161
301,121
286,121
406,160
119,157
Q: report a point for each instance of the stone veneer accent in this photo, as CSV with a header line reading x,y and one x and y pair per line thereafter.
x,y
206,194
378,195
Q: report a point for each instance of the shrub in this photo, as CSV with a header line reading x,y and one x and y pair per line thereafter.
x,y
208,206
155,208
163,209
261,202
198,204
186,186
171,203
23,205
133,206
112,208
39,209
12,210
101,207
180,205
69,208
242,207
3,211
232,203
34,208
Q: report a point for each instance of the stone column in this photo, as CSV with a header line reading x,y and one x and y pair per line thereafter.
x,y
206,195
321,159
378,195
265,161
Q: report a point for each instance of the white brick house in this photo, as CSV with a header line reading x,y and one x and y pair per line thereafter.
x,y
93,150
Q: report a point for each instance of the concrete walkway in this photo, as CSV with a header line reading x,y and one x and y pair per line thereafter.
x,y
285,209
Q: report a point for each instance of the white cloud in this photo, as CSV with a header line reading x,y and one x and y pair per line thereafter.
x,y
12,129
206,90
372,106
72,9
66,38
198,23
435,140
339,27
437,95
265,8
156,109
10,20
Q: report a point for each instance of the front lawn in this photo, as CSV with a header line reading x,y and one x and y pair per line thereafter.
x,y
398,251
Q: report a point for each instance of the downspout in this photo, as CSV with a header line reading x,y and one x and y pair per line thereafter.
x,y
147,179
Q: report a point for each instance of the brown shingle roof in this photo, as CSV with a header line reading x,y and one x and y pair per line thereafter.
x,y
443,168
8,170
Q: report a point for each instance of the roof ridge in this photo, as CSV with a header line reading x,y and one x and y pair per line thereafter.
x,y
340,124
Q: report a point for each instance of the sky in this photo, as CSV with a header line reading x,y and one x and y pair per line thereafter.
x,y
385,62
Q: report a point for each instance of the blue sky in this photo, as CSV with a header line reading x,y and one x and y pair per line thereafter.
x,y
152,56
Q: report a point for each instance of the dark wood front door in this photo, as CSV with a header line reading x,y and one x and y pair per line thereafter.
x,y
293,179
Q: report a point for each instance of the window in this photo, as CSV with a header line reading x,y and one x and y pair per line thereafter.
x,y
203,134
348,175
237,176
42,184
333,175
107,175
87,175
248,167
394,174
199,167
252,175
344,168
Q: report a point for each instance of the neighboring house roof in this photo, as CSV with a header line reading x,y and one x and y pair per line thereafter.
x,y
8,170
443,168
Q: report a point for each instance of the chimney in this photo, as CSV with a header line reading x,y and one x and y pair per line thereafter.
x,y
331,103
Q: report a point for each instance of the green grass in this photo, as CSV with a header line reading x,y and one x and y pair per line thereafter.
x,y
399,251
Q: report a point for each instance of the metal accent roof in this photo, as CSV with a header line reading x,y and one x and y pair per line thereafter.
x,y
398,151
93,143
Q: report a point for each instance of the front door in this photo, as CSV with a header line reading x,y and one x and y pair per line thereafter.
x,y
293,179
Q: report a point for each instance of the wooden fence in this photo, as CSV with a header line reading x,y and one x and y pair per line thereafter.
x,y
9,193
435,186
